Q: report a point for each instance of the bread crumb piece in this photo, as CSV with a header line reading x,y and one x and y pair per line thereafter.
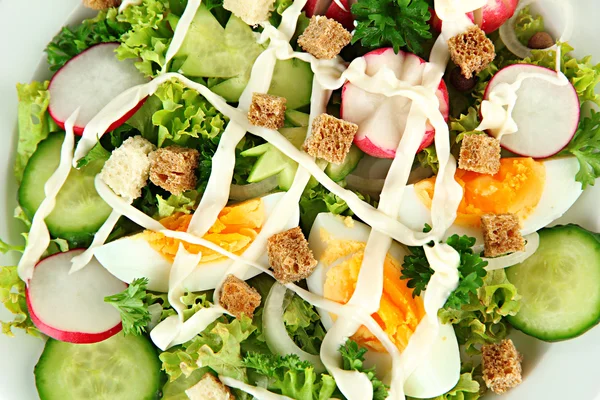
x,y
501,366
267,111
501,234
480,153
173,168
101,4
290,257
238,297
209,388
330,138
324,37
472,51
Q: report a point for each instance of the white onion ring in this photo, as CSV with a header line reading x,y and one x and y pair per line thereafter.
x,y
509,37
252,190
533,242
277,337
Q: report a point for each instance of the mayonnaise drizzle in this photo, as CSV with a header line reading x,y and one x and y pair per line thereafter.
x,y
181,31
127,3
39,236
257,392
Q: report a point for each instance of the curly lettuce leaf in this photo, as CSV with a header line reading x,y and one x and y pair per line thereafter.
x,y
184,203
527,25
353,358
152,27
34,122
69,42
289,376
481,320
584,146
428,158
217,347
185,118
303,324
12,296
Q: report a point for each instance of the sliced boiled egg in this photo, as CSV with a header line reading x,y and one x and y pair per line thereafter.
x,y
150,254
338,244
538,192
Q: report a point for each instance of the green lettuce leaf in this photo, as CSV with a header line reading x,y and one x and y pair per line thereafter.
x,y
185,203
527,25
98,152
185,118
69,42
278,8
353,358
303,324
428,158
289,376
12,296
481,320
151,32
217,347
34,122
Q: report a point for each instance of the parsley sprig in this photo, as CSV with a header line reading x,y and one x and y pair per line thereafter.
x,y
132,306
471,270
353,358
396,23
585,145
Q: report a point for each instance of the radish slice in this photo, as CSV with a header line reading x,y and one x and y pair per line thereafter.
x,y
545,113
71,307
340,11
90,81
381,120
316,7
509,37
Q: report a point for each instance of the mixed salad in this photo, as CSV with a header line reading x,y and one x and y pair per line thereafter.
x,y
304,199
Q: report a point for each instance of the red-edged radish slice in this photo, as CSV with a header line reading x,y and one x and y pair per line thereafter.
x,y
494,14
340,11
436,22
71,307
381,120
316,7
546,113
90,81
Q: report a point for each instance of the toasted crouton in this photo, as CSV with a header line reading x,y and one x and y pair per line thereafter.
x,y
290,257
238,297
480,153
173,168
126,171
501,234
330,138
251,12
101,4
472,51
324,37
267,111
501,366
209,388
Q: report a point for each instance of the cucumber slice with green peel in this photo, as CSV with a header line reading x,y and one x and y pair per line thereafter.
x,y
297,118
292,79
559,285
79,211
232,89
119,368
337,172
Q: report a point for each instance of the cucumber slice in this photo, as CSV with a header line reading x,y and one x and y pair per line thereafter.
x,y
339,172
119,368
292,79
232,88
559,284
297,118
79,210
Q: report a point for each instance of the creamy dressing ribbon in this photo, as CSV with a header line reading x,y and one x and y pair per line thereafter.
x,y
39,236
127,3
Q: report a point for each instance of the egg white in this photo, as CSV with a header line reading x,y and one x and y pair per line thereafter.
x,y
561,190
440,369
132,257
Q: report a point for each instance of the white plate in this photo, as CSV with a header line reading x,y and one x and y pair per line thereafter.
x,y
567,370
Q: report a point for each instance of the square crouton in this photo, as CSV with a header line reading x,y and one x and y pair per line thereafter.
x,y
330,138
238,297
472,51
101,4
267,111
252,12
501,234
173,168
126,171
501,366
209,388
290,257
324,37
480,153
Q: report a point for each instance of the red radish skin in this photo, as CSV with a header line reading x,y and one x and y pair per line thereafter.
x,y
363,140
495,13
98,283
90,81
316,7
341,15
554,111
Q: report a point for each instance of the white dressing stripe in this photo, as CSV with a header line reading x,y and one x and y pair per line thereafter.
x,y
80,261
127,3
39,236
184,264
181,31
257,392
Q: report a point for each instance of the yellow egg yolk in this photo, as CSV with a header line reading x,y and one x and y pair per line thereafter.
x,y
516,189
399,313
235,229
